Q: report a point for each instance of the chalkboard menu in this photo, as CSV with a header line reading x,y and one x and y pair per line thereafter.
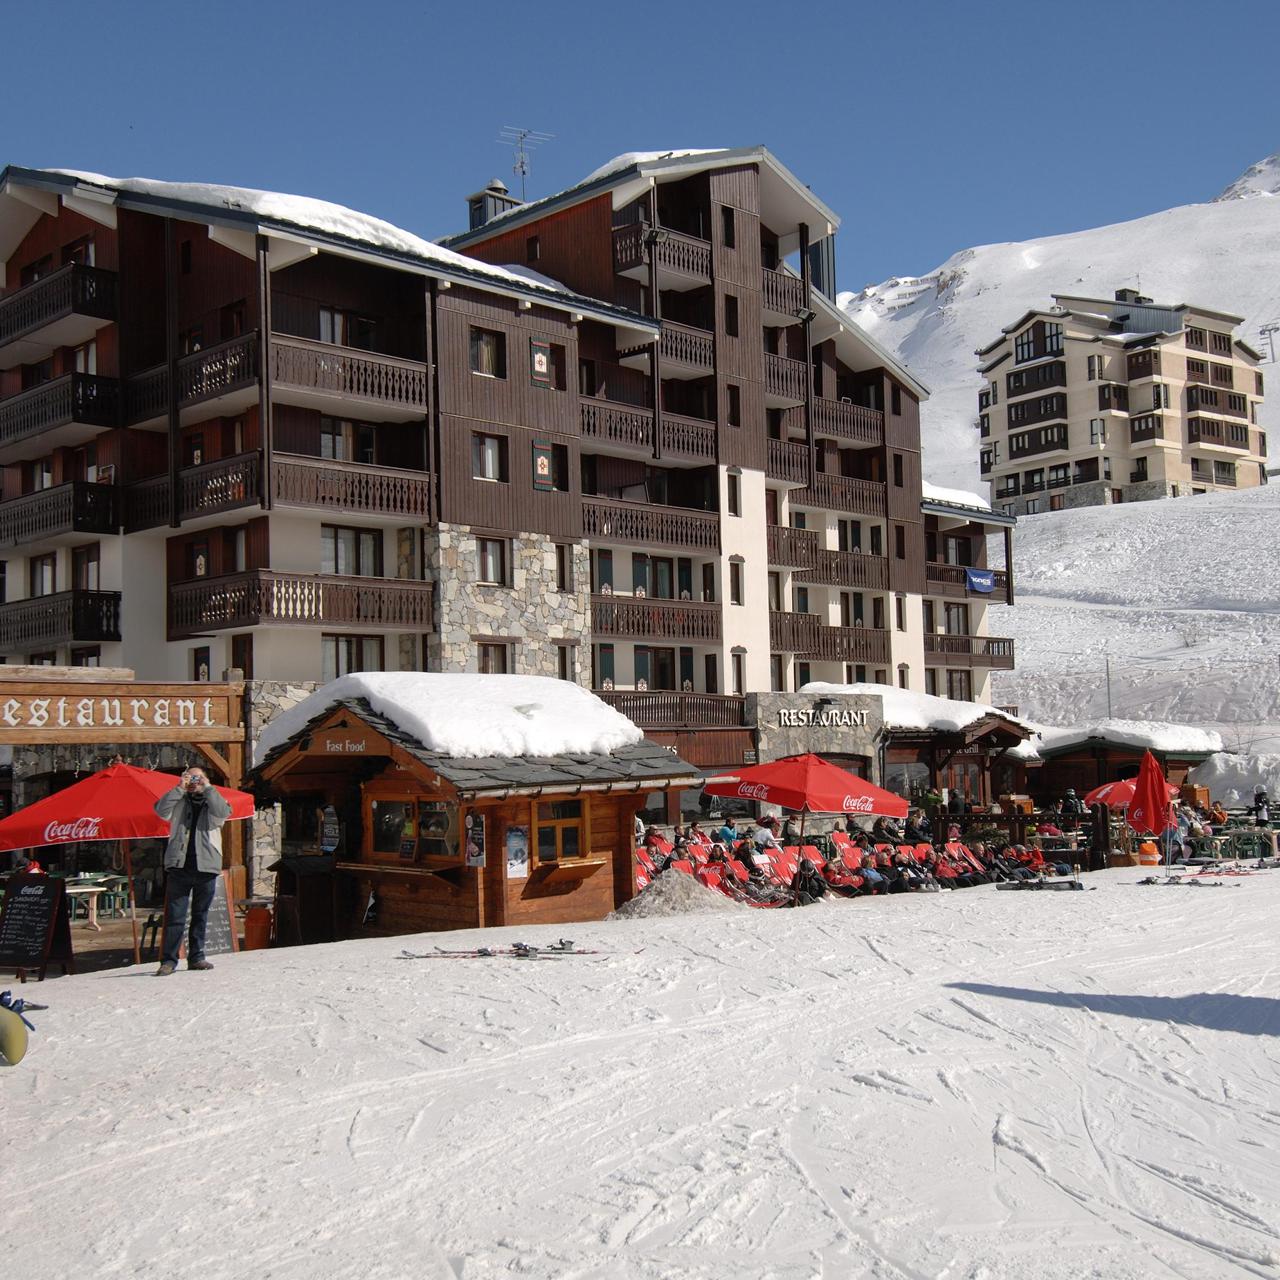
x,y
35,925
220,929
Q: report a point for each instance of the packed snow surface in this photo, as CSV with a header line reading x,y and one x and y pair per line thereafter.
x,y
958,497
1013,1086
1150,734
904,709
472,715
675,894
1181,595
1235,779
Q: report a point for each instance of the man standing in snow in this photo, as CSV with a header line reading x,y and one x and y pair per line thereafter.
x,y
195,812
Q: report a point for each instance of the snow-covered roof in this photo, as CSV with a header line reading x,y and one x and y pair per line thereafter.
x,y
629,159
471,716
953,497
1153,735
904,709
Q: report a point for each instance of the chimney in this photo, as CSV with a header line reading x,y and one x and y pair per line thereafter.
x,y
484,205
1127,295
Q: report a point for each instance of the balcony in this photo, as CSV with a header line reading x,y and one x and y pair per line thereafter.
x,y
264,598
690,348
1026,382
351,487
63,309
615,520
845,421
782,294
358,384
204,491
792,548
685,257
843,493
952,580
806,636
1143,364
849,569
788,461
785,379
221,379
1148,427
1027,444
660,709
66,511
690,439
968,651
642,618
1224,475
67,411
629,429
68,617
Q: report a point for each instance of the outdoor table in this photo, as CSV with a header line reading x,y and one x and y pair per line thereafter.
x,y
92,893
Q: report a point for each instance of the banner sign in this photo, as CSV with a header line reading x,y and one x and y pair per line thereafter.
x,y
983,580
34,711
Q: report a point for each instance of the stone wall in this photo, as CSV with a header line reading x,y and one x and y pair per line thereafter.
x,y
790,724
530,614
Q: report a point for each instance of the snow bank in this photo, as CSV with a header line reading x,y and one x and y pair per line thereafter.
x,y
673,893
1154,735
472,716
1234,779
906,710
309,214
956,497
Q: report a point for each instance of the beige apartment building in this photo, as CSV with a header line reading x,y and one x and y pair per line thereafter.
x,y
1095,401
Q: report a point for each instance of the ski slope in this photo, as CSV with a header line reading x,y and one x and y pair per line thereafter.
x,y
1183,596
975,1084
1224,254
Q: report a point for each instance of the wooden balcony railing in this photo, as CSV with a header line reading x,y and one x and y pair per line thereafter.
x,y
263,597
953,580
75,397
688,438
805,635
673,250
853,422
613,520
681,344
652,619
68,617
787,460
73,290
843,493
847,569
216,370
147,395
783,292
351,486
348,374
660,709
784,377
974,651
76,507
624,425
206,490
792,548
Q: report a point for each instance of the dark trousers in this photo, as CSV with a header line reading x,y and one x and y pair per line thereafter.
x,y
187,888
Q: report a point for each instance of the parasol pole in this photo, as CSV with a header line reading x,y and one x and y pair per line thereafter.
x,y
133,906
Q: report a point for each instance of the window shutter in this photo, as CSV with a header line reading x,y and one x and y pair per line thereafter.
x,y
540,372
543,473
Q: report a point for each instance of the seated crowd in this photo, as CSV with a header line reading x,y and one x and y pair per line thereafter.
x,y
780,865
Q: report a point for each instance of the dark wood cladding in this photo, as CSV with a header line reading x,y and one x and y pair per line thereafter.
x,y
788,461
1026,381
74,507
660,709
73,290
1142,364
850,569
74,398
846,421
644,618
211,488
614,520
1027,444
968,651
263,597
806,636
351,487
67,617
843,493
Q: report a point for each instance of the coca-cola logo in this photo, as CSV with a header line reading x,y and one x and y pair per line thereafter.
x,y
753,791
857,804
80,829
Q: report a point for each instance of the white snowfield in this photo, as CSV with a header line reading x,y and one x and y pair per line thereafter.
x,y
1182,594
1010,1086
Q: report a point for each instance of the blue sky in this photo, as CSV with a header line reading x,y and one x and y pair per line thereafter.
x,y
928,126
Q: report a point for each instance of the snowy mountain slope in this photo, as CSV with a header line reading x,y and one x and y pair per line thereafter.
x,y
1182,595
1224,255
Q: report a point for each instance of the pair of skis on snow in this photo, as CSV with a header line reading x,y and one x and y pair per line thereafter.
x,y
517,951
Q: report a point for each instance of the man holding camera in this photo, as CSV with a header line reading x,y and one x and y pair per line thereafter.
x,y
195,812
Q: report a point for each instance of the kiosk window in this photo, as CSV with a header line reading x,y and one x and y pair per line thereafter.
x,y
559,830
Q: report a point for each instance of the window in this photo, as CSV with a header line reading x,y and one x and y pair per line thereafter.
x,y
959,686
1024,346
1052,338
775,592
80,251
494,561
550,466
728,231
532,249
1195,338
564,567
200,664
803,675
493,657
42,575
899,542
41,474
801,595
739,673
904,676
85,563
1257,384
559,830
1236,402
346,441
733,410
895,400
849,535
340,655
710,678
565,663
731,315
602,572
777,673
89,657
488,353
877,540
232,321
1238,433
735,581
708,583
488,457
1097,431
1033,506
191,340
84,358
897,471
1221,342
346,329
1106,468
351,552
1095,368
900,614
602,660
193,449
1139,471
1159,395
735,493
931,680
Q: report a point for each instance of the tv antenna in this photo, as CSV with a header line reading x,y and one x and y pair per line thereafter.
x,y
1267,333
524,141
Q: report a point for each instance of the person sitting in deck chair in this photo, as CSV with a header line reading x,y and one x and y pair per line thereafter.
x,y
807,886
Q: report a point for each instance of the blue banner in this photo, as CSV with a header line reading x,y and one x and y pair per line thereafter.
x,y
983,580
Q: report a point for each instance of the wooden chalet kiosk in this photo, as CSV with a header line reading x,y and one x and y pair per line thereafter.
x,y
404,832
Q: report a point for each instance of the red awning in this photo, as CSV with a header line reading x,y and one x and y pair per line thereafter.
x,y
809,784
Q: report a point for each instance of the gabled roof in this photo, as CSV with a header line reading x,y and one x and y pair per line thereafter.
x,y
959,503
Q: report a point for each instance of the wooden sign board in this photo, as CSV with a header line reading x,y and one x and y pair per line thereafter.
x,y
351,741
127,711
35,925
220,930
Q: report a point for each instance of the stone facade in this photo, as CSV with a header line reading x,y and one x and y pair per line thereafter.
x,y
790,724
530,614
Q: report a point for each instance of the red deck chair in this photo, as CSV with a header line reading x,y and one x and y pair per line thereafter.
x,y
907,851
682,865
885,848
786,862
699,855
852,858
923,851
642,878
738,870
972,859
712,875
813,853
664,847
645,861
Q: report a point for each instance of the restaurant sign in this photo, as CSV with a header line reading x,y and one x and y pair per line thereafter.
x,y
822,717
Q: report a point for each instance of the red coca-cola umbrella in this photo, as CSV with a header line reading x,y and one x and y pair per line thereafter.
x,y
1149,810
809,784
116,803
1119,794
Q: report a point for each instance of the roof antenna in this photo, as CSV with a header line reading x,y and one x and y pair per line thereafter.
x,y
524,141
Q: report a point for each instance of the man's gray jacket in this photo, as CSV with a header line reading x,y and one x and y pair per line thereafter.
x,y
174,809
